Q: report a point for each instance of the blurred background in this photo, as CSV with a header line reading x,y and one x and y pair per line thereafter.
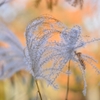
x,y
16,14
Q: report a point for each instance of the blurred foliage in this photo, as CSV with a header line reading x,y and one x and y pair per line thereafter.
x,y
76,2
2,91
2,2
51,3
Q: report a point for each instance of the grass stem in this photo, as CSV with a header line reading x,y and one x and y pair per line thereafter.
x,y
38,90
67,91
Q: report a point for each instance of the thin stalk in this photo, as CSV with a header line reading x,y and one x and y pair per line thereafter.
x,y
38,90
67,91
99,91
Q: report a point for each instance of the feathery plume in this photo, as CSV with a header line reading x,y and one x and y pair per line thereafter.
x,y
66,50
37,35
11,55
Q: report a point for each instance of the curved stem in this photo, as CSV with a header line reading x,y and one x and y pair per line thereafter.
x,y
67,91
38,90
